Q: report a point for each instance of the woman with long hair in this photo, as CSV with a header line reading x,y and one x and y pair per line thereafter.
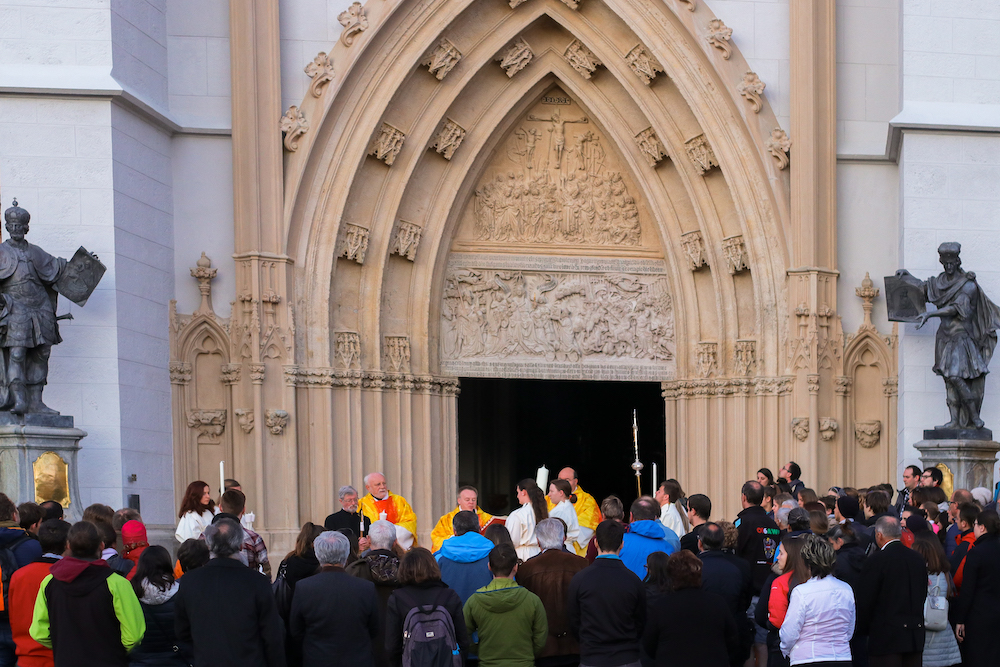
x,y
421,585
301,561
559,493
522,521
788,572
196,511
940,646
765,477
155,587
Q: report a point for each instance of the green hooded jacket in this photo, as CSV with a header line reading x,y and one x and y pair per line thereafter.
x,y
511,624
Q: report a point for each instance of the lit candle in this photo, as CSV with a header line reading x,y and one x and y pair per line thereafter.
x,y
222,478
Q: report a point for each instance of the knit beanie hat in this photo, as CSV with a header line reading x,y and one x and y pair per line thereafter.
x,y
848,506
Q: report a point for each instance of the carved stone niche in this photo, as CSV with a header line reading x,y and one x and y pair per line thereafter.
x,y
707,357
800,428
442,59
275,420
355,242
868,433
582,59
828,428
406,239
701,154
644,65
515,57
210,424
735,251
694,249
651,147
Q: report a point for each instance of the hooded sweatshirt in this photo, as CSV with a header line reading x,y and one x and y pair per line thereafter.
x,y
644,538
464,563
78,589
24,587
159,642
511,623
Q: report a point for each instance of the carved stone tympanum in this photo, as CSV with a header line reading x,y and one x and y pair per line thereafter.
x,y
582,59
406,239
752,88
442,59
650,145
387,143
644,65
516,57
320,70
718,36
449,138
701,153
355,243
293,126
694,250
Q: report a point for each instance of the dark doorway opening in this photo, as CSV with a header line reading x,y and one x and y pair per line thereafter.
x,y
508,428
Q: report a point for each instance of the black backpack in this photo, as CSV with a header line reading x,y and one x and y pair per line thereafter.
x,y
8,564
429,637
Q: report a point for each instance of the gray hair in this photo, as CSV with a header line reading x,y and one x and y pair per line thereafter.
x,y
224,538
889,527
369,476
382,534
346,489
550,534
332,548
781,515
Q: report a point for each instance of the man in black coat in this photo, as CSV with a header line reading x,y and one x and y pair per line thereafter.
x,y
226,610
334,616
890,599
607,604
728,576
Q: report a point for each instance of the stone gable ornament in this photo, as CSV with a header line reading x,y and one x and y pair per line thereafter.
x,y
449,138
30,282
650,145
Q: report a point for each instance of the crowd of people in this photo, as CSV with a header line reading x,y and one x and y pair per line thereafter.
x,y
864,577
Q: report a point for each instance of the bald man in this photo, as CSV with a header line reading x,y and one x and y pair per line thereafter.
x,y
588,513
380,503
468,500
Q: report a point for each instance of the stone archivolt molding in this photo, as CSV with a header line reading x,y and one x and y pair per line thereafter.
x,y
387,143
701,154
515,57
293,126
449,138
751,87
719,35
406,239
355,21
442,59
320,70
644,65
581,58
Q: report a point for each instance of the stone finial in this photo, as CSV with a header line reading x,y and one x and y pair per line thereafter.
x,y
515,57
644,65
442,59
867,292
293,126
204,274
320,70
779,144
650,145
354,21
751,87
718,36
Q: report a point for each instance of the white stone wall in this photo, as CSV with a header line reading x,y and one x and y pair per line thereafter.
x,y
198,55
139,48
307,27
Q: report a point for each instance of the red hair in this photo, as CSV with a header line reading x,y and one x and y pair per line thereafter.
x,y
192,499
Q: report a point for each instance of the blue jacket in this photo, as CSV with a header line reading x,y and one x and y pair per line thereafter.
x,y
464,563
28,551
643,538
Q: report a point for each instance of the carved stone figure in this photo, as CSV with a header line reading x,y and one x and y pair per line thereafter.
x,y
651,146
581,58
275,420
868,433
442,59
965,338
736,254
355,243
406,240
800,428
701,153
516,57
694,249
643,64
449,138
30,281
558,132
707,357
387,143
828,428
744,357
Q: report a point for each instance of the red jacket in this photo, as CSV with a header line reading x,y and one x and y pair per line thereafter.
x,y
24,585
777,603
970,540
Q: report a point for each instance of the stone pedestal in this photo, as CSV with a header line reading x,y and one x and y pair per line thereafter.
x,y
23,440
970,461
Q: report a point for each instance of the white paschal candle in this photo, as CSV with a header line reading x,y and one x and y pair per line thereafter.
x,y
542,478
222,478
654,487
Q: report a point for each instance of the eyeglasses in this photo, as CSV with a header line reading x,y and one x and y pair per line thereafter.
x,y
925,476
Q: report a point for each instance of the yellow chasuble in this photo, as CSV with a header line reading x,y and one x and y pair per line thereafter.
x,y
396,509
443,530
587,513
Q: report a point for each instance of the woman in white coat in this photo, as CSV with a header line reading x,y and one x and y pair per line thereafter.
x,y
195,513
521,522
559,495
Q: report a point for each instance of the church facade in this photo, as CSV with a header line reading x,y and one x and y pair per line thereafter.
x,y
319,216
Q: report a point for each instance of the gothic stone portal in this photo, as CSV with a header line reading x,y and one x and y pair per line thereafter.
x,y
555,270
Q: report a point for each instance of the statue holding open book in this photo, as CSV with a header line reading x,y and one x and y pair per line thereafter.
x,y
966,336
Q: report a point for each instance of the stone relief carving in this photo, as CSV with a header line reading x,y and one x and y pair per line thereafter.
x,y
397,354
779,144
701,153
231,373
180,372
293,126
643,64
406,240
736,254
387,143
556,316
354,21
800,428
245,418
707,356
868,433
347,347
752,88
718,36
256,373
581,58
355,243
442,59
320,70
210,424
828,428
275,421
449,138
744,357
516,57
694,249
650,145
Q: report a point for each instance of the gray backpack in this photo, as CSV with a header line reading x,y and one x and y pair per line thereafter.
x,y
429,637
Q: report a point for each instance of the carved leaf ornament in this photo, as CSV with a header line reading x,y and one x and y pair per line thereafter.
x,y
293,126
320,70
354,21
752,88
779,144
718,36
